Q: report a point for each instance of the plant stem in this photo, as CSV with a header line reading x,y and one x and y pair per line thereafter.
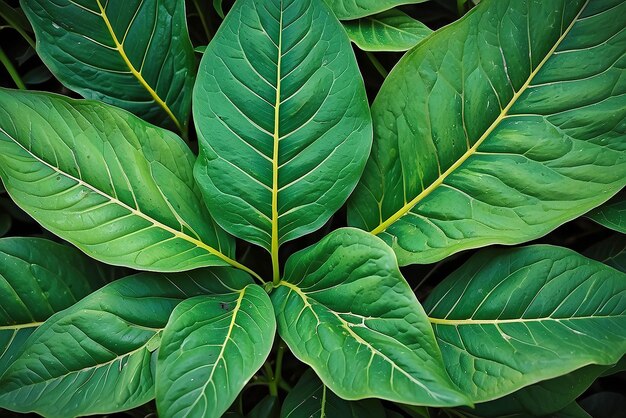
x,y
7,16
271,381
202,17
12,71
379,67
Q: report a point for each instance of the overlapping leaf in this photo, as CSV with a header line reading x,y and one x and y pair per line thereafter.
x,y
134,54
345,309
492,130
211,347
392,30
353,9
118,188
39,278
510,318
611,251
612,214
97,356
282,118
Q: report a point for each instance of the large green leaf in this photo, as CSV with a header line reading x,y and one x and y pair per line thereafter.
x,y
611,251
498,128
392,30
612,214
510,318
39,278
282,119
211,346
345,309
116,187
312,399
353,9
134,54
98,355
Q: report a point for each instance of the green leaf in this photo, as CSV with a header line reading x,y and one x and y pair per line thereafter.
x,y
217,5
353,9
392,30
604,404
311,398
282,118
572,410
510,318
118,188
211,346
39,278
491,130
345,309
136,55
543,398
612,214
611,251
268,407
98,355
5,222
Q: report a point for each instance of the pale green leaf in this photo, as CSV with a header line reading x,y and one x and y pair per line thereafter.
x,y
282,118
510,318
353,9
392,30
98,355
39,278
135,54
498,128
118,188
310,398
344,308
211,346
612,214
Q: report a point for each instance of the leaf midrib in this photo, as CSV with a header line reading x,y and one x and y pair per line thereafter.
x,y
503,113
458,322
138,75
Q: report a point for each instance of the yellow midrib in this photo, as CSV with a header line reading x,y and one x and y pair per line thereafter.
x,y
120,48
140,214
19,326
275,244
408,206
457,322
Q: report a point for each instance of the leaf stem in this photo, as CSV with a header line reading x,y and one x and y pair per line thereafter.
x,y
376,63
203,20
11,70
6,15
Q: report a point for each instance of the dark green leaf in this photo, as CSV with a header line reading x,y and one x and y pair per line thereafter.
x,y
611,251
392,30
269,407
116,187
345,309
98,355
282,118
132,54
353,9
612,214
510,318
211,347
310,398
605,405
492,131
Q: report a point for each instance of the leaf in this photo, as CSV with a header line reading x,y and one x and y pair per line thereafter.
x,y
481,139
612,214
344,309
542,398
353,9
510,318
133,54
217,5
283,140
604,404
611,251
97,356
5,222
392,30
311,398
211,347
572,410
119,189
268,407
39,278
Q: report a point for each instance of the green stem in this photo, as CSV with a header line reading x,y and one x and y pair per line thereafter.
x,y
12,71
15,25
271,381
379,67
203,20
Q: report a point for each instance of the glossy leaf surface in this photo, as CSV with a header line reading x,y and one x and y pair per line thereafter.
x,y
134,54
344,308
353,9
510,318
39,278
612,214
392,30
98,355
116,187
282,118
211,347
311,398
491,130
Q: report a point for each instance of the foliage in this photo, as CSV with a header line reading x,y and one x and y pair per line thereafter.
x,y
224,226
